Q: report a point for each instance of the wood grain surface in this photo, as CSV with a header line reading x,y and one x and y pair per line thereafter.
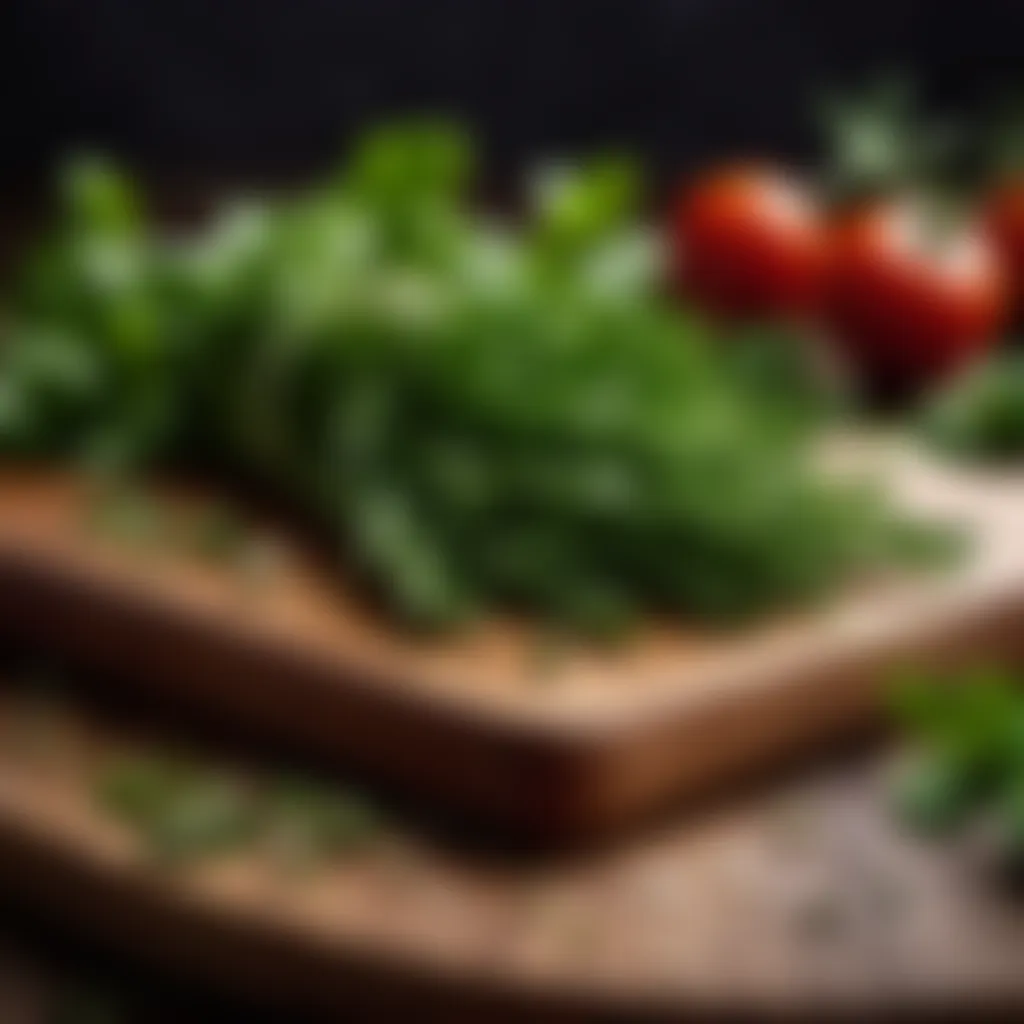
x,y
801,895
565,746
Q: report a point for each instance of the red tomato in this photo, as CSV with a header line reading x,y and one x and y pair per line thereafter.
x,y
750,241
1005,220
911,302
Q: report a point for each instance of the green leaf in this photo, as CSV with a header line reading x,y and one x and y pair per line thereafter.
x,y
417,157
878,141
980,416
99,196
575,206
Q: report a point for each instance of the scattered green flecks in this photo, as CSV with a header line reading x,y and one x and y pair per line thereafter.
x,y
310,823
212,532
128,515
217,533
185,811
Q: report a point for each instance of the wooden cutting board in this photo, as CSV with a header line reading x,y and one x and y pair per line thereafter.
x,y
803,895
561,743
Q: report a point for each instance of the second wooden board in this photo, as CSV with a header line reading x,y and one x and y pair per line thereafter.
x,y
562,742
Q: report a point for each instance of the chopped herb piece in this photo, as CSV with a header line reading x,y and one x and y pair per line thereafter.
x,y
967,730
981,416
185,810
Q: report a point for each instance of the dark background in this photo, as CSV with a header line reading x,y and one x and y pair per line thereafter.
x,y
265,88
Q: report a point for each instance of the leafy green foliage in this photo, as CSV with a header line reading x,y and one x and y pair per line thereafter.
x,y
89,365
981,417
878,140
790,371
480,418
967,732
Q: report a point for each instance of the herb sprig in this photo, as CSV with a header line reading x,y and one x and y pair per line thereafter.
x,y
980,417
479,417
967,753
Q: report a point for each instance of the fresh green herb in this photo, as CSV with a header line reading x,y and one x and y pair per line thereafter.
x,y
878,141
981,417
479,418
136,788
780,366
210,816
967,737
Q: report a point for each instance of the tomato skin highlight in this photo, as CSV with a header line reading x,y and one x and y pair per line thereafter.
x,y
749,241
1004,218
908,304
